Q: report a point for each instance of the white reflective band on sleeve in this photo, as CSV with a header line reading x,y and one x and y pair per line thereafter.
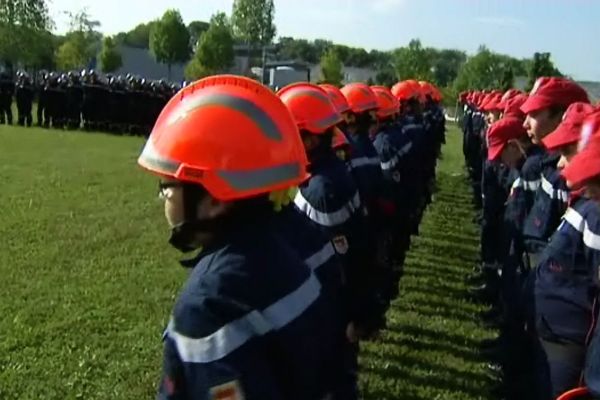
x,y
364,161
396,159
591,239
233,335
320,257
327,219
562,195
531,186
574,219
517,183
547,187
410,126
553,193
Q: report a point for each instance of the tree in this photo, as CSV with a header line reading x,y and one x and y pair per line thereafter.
x,y
81,43
485,70
170,39
331,68
508,79
21,23
215,49
138,37
413,62
196,30
72,54
541,65
252,21
446,64
110,57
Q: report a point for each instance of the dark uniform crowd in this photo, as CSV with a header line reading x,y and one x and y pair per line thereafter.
x,y
534,163
73,100
298,208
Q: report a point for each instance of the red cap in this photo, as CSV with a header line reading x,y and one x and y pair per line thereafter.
x,y
591,125
511,93
548,92
501,133
513,106
493,102
569,130
585,165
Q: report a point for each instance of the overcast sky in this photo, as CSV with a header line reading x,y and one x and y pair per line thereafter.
x,y
566,28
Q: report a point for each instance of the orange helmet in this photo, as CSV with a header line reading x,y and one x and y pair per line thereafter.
x,y
387,104
311,107
337,97
360,97
406,90
229,134
340,141
426,88
580,393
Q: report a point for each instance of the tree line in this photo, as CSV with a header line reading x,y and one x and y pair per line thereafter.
x,y
208,48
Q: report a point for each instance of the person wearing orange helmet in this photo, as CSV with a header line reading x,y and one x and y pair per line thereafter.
x,y
330,199
411,127
365,166
219,148
393,154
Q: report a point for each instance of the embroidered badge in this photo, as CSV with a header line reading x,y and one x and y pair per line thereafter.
x,y
227,391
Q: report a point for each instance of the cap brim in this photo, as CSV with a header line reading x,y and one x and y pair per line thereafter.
x,y
495,151
535,103
562,136
585,166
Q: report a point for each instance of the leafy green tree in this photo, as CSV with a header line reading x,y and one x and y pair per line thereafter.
x,y
253,21
541,65
485,70
446,64
21,24
413,62
508,79
197,29
138,37
170,40
73,53
110,57
215,49
332,68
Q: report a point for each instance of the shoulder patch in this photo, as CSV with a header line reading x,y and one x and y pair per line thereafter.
x,y
340,243
227,391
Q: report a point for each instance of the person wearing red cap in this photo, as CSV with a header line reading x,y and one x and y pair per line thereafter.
x,y
566,279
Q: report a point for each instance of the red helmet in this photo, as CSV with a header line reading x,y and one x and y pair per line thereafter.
x,y
581,393
340,141
360,97
311,107
337,97
229,134
387,104
407,90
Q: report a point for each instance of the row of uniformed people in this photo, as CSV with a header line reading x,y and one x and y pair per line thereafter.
x,y
539,265
286,282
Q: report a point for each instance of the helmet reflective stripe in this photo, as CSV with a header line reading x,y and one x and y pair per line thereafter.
x,y
312,93
151,160
258,178
264,122
328,122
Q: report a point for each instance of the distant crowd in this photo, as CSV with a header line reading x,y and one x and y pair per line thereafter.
x,y
119,104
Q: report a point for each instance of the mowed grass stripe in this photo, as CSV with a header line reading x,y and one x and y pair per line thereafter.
x,y
430,349
88,281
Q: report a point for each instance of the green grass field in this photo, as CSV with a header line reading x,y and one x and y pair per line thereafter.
x,y
88,280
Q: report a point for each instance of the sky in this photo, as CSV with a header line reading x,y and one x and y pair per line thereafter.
x,y
566,28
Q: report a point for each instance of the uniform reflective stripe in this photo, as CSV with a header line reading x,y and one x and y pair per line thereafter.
x,y
327,219
394,160
531,186
410,126
591,239
260,117
364,161
574,219
547,187
321,257
258,178
517,183
562,195
152,160
256,323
